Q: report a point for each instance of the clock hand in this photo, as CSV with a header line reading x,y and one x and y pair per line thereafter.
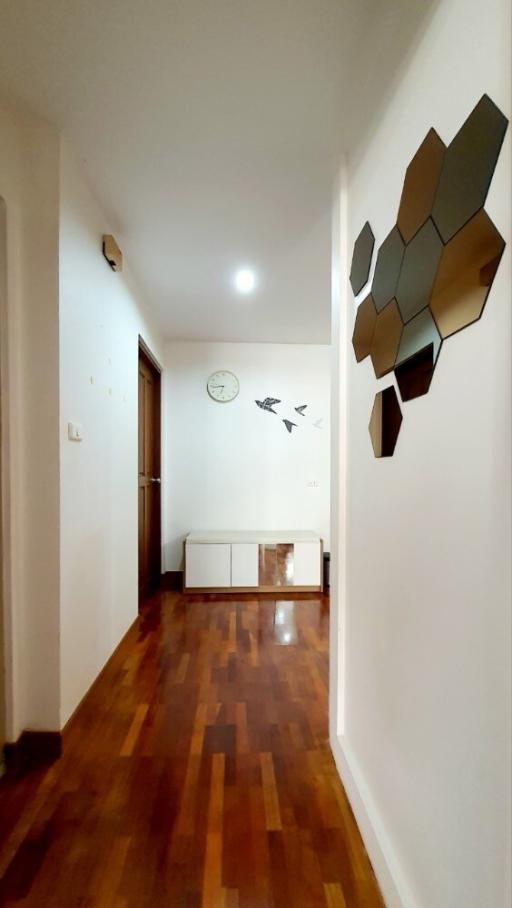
x,y
214,387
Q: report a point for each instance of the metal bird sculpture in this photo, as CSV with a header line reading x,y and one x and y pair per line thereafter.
x,y
289,425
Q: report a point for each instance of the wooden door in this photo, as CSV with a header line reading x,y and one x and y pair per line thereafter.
x,y
3,350
149,475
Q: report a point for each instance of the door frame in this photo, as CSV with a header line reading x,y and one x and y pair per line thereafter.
x,y
147,356
6,680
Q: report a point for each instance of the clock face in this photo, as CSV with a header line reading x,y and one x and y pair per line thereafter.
x,y
223,386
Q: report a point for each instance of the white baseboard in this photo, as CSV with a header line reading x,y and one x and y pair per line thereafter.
x,y
394,888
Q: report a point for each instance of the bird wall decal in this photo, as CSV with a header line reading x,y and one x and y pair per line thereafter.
x,y
269,403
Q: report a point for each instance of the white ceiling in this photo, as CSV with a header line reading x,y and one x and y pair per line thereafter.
x,y
211,131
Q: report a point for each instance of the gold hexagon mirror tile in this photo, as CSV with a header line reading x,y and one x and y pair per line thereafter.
x,y
418,353
364,328
385,422
387,269
420,185
468,168
386,339
419,268
362,259
466,271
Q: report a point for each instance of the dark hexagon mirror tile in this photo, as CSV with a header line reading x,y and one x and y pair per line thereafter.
x,y
417,355
364,327
385,422
362,259
466,272
418,272
468,167
420,185
387,269
386,339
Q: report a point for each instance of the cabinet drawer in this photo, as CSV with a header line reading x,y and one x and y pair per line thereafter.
x,y
306,564
208,565
244,564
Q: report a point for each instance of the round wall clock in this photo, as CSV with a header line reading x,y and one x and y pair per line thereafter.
x,y
223,386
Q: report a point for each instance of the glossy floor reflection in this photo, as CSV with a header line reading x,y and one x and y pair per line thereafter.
x,y
285,624
196,774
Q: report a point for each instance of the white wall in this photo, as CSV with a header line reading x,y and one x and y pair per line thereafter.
x,y
69,511
234,466
101,317
422,647
29,157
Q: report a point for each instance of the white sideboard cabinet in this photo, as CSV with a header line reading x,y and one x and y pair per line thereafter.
x,y
245,561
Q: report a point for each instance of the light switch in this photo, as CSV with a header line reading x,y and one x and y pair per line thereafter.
x,y
74,431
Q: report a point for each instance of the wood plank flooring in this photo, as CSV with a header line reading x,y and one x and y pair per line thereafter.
x,y
196,774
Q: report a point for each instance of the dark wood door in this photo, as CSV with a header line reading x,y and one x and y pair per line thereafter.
x,y
149,475
3,296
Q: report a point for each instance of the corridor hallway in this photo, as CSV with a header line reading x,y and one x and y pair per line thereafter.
x,y
196,773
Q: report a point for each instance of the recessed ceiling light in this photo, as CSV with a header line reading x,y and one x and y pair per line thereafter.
x,y
245,280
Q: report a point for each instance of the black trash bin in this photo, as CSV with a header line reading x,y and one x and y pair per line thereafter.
x,y
327,570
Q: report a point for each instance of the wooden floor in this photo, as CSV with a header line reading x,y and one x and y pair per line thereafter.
x,y
196,774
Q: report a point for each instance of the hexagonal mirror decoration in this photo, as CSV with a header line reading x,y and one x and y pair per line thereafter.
x,y
435,269
468,167
387,269
419,267
362,259
466,272
420,185
386,339
385,422
417,356
364,328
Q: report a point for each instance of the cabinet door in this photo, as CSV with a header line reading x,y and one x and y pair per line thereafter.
x,y
306,564
208,565
244,564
